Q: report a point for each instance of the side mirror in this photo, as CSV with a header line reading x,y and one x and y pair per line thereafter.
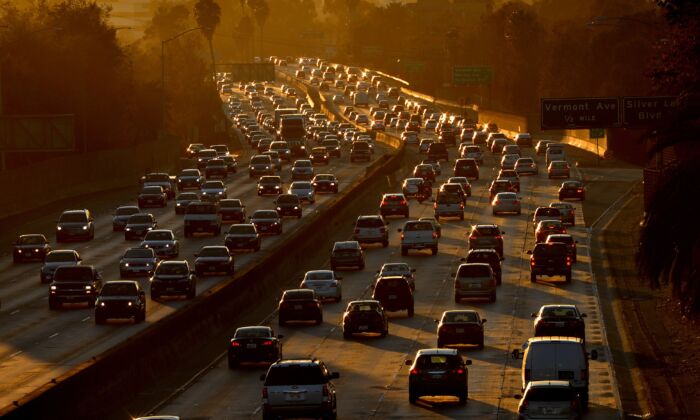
x,y
594,354
408,362
534,315
515,354
503,233
468,362
262,376
280,336
399,230
335,375
463,260
436,321
584,315
483,320
529,252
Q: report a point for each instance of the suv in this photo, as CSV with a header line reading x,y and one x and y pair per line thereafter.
x,y
260,165
370,229
201,217
360,150
417,234
288,205
545,213
547,396
30,247
394,293
466,167
347,254
173,278
475,280
120,299
449,205
567,239
438,151
488,256
295,388
487,236
80,283
551,259
75,224
393,204
438,372
299,305
363,316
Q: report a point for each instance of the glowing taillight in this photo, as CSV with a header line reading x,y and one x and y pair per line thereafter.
x,y
267,343
460,371
580,190
568,260
326,392
434,205
235,344
402,236
435,235
499,237
403,202
414,371
532,262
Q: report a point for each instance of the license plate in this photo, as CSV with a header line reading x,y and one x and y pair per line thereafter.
x,y
550,410
263,227
363,328
298,307
251,346
474,285
170,289
294,397
459,330
392,297
559,324
212,267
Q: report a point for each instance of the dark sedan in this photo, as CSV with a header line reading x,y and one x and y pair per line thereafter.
x,y
559,320
365,316
213,259
460,327
255,345
31,247
572,189
232,210
325,183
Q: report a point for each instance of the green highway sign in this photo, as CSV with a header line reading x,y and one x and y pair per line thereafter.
x,y
414,66
472,75
596,133
40,133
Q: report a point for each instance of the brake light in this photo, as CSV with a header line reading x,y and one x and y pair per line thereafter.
x,y
568,260
402,236
496,202
267,343
414,371
472,237
403,202
235,344
580,190
461,206
584,374
434,205
499,237
264,392
435,235
460,371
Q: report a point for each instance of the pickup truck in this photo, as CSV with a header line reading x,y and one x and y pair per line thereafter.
x,y
550,259
71,284
160,179
201,217
419,235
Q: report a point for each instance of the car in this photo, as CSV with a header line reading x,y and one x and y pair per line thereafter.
x,y
304,191
567,239
460,327
475,280
491,138
549,396
365,316
563,320
242,236
269,184
347,254
192,149
282,149
213,190
425,171
163,242
393,204
436,165
523,139
500,185
302,169
555,151
231,163
545,213
74,284
505,202
183,199
162,179
438,151
572,189
453,188
558,169
319,155
430,124
173,278
567,212
254,344
411,187
526,165
371,229
213,259
424,145
511,149
479,137
260,165
466,167
274,159
221,149
398,269
508,161
438,372
232,210
410,137
325,183
488,256
308,377
189,178
267,222
138,225
360,150
299,305
121,215
472,152
120,299
512,176
57,258
288,205
497,145
448,204
419,235
76,225
202,217
30,247
137,262
325,283
377,125
394,293
548,227
463,181
487,236
332,147
216,168
551,259
541,146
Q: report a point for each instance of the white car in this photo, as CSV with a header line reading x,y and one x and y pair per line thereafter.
x,y
505,202
430,124
304,190
526,165
325,283
409,137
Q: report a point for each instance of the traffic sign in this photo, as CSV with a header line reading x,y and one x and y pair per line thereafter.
x,y
472,75
414,66
596,133
645,111
563,113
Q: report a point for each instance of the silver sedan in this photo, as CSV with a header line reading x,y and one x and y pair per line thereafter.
x,y
526,165
506,202
304,190
325,283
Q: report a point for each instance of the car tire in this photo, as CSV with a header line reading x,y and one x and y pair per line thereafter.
x,y
480,345
434,250
404,251
492,298
412,397
411,311
463,398
568,277
533,278
461,217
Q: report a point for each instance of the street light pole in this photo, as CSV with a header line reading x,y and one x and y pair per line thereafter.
x,y
162,72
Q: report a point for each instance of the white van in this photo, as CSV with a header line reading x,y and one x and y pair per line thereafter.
x,y
557,358
555,151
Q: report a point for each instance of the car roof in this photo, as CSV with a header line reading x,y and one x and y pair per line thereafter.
x,y
549,384
556,338
135,283
346,245
558,305
482,251
437,352
254,327
320,272
295,362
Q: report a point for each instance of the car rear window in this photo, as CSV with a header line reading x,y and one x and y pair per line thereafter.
x,y
485,257
418,226
448,199
460,317
295,375
558,312
550,394
486,231
242,230
60,257
474,270
438,361
547,211
552,249
299,295
370,223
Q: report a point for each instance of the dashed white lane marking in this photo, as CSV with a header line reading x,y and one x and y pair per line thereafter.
x,y
53,335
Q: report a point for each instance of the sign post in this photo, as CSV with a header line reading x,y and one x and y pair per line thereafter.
x,y
597,134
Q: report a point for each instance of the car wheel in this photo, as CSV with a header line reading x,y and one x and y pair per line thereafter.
x,y
404,251
385,243
533,277
410,311
412,397
492,298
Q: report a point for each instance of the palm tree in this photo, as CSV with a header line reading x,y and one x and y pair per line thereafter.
x,y
261,11
208,15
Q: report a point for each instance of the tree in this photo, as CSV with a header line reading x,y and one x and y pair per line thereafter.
x,y
261,11
208,15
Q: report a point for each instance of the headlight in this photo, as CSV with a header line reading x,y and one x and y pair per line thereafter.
x,y
85,227
19,251
279,208
178,204
277,187
126,264
149,228
127,229
129,304
167,245
58,228
102,304
53,287
88,287
296,208
332,184
267,167
220,193
260,187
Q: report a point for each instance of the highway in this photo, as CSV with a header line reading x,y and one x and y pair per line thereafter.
x,y
373,378
37,344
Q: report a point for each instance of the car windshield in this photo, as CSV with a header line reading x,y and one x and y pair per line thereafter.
x,y
159,236
319,275
188,196
138,253
242,230
73,218
190,172
301,185
460,317
214,252
126,211
152,190
213,185
172,269
118,289
60,257
295,375
287,199
260,160
572,184
303,164
324,178
253,333
265,214
76,273
230,204
370,222
550,394
141,218
31,240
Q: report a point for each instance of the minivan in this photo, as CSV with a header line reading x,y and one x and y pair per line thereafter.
x,y
554,151
473,280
